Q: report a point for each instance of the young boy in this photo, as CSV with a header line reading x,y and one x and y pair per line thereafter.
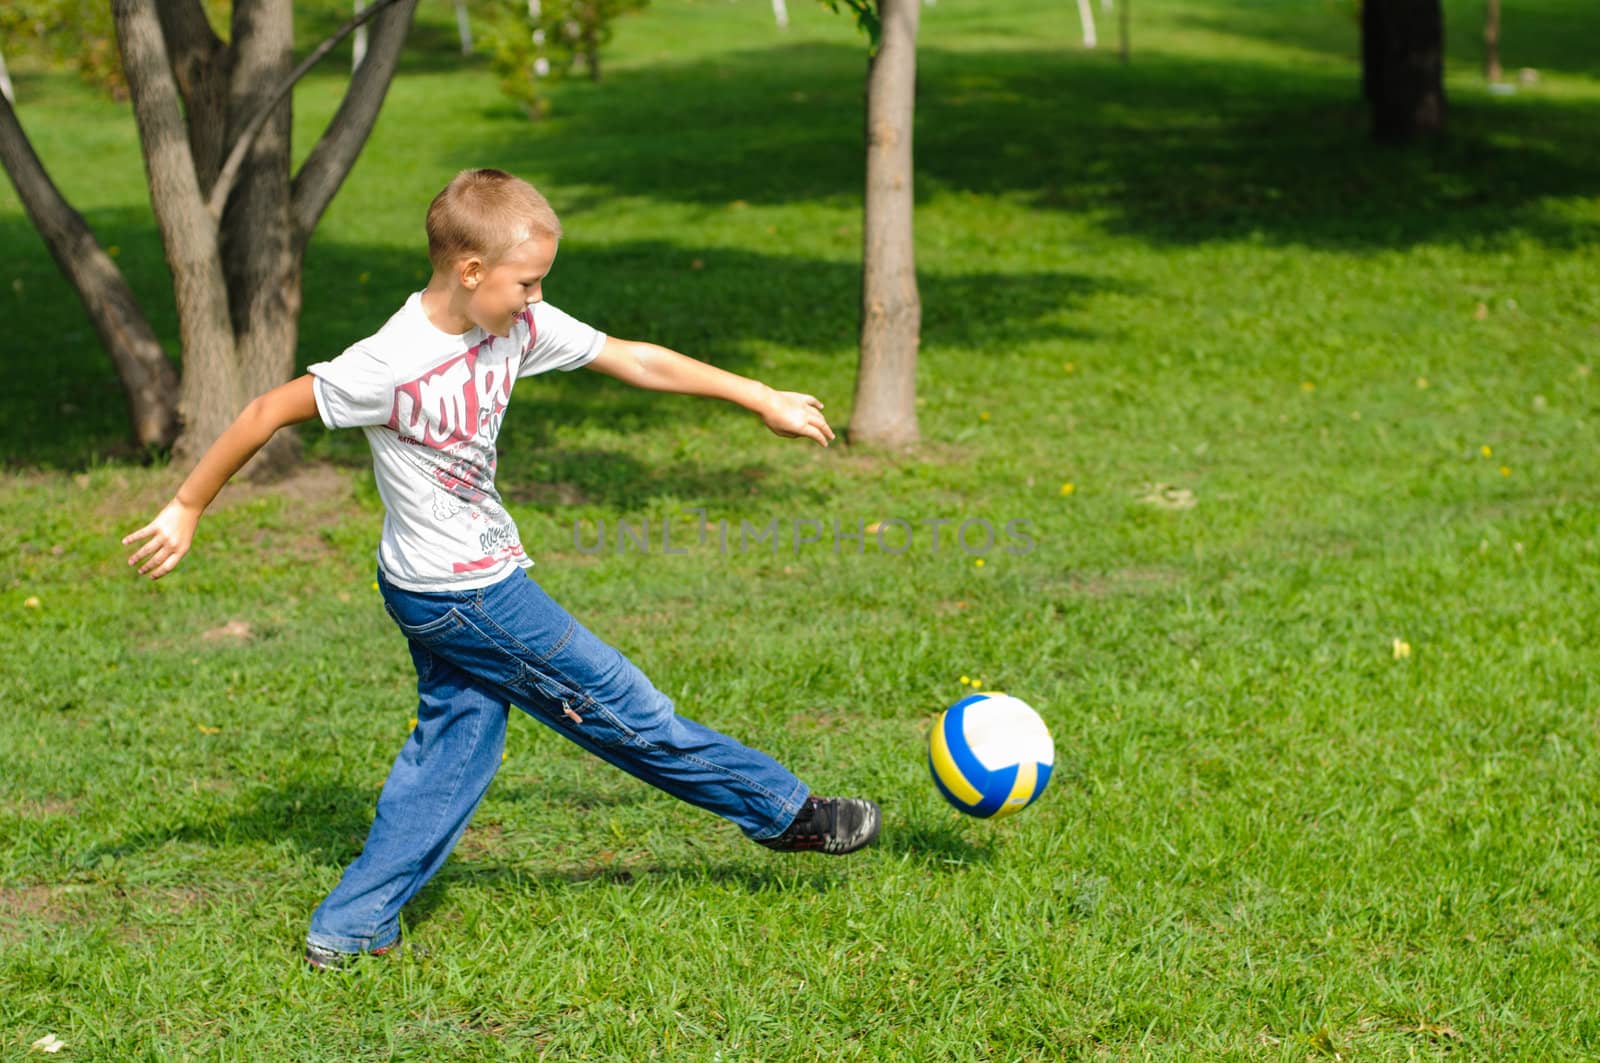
x,y
429,389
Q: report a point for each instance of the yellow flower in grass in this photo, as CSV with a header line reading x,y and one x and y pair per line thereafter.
x,y
1505,470
1402,649
1068,488
1486,450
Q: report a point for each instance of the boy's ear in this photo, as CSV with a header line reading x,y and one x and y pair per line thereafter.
x,y
470,271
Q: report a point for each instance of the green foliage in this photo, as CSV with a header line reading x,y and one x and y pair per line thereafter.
x,y
535,45
72,34
866,16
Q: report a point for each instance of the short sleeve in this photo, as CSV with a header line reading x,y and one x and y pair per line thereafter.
x,y
355,390
560,341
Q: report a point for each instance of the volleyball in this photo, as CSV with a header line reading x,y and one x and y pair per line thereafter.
x,y
990,755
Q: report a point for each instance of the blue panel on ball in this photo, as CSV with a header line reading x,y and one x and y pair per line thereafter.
x,y
1044,780
996,788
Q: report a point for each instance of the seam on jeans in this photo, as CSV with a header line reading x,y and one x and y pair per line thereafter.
x,y
716,768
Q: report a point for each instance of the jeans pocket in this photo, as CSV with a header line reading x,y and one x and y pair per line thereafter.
x,y
427,633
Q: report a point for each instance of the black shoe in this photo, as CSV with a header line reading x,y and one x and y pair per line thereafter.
x,y
322,959
834,825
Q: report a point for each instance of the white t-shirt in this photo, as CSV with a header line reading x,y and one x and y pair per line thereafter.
x,y
431,404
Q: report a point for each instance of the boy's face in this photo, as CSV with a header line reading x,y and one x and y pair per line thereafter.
x,y
502,291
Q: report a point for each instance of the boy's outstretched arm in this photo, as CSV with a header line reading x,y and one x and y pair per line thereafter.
x,y
173,529
645,365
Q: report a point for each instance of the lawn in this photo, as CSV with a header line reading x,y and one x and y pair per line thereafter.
x,y
1300,433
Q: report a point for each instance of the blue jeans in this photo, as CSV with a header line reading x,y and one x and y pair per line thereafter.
x,y
477,652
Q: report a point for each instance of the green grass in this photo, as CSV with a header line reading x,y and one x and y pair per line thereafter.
x,y
1268,836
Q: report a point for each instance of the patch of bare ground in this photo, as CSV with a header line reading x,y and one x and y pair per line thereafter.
x,y
311,487
478,840
870,460
39,808
24,909
1138,580
545,494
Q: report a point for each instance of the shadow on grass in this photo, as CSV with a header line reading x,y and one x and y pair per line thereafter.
x,y
1170,149
936,845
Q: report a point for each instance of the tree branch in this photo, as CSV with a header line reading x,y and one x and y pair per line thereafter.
x,y
200,61
230,169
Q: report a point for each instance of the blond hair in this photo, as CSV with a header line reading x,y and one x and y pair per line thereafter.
x,y
486,213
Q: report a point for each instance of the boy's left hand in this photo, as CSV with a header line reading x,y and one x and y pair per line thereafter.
x,y
793,413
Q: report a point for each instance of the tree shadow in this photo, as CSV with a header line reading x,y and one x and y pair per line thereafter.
x,y
1170,149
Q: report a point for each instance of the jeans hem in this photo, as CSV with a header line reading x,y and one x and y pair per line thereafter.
x,y
337,943
790,809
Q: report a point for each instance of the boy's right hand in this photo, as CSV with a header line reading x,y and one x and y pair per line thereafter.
x,y
170,535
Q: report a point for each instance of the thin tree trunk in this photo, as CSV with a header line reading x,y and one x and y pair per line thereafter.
x,y
149,382
1125,31
1402,49
464,27
211,393
1086,20
358,45
10,93
885,410
1491,41
780,13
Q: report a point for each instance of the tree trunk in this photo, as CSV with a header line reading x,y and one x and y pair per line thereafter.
x,y
149,381
257,235
1402,51
1491,41
885,411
